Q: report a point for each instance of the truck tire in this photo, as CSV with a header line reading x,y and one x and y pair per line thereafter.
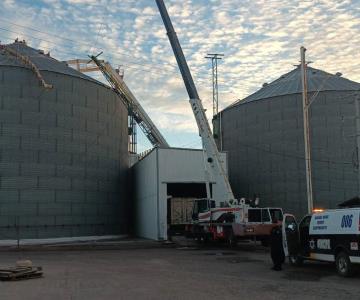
x,y
343,264
296,260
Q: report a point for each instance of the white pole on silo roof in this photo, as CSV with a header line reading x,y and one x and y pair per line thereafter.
x,y
305,102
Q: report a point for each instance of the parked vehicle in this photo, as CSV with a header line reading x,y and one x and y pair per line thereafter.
x,y
239,221
331,236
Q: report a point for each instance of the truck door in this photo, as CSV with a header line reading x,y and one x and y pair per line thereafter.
x,y
290,233
304,236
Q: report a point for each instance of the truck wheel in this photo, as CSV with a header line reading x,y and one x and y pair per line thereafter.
x,y
296,260
343,264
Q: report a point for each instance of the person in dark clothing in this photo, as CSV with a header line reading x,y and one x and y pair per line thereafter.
x,y
276,248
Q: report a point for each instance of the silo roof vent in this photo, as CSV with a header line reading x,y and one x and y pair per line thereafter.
x,y
265,84
339,74
20,41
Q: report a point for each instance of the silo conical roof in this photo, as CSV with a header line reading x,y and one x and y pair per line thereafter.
x,y
290,83
42,61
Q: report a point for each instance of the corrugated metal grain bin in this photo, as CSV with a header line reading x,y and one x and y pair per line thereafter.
x,y
63,152
263,135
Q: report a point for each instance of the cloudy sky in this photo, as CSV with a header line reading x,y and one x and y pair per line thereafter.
x,y
260,40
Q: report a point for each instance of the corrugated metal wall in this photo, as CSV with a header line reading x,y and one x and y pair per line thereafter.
x,y
265,142
63,157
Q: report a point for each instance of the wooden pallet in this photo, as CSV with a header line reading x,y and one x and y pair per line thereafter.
x,y
20,273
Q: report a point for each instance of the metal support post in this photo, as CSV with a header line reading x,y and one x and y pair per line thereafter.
x,y
307,143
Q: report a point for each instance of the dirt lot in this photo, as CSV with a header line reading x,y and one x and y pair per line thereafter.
x,y
172,273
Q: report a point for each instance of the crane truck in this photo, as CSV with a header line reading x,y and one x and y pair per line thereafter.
x,y
221,217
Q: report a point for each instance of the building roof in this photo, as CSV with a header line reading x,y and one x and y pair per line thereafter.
x,y
42,61
290,83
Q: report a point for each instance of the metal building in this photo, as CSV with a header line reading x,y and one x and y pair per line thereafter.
x,y
263,135
162,178
63,151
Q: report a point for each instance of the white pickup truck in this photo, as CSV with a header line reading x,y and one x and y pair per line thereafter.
x,y
331,235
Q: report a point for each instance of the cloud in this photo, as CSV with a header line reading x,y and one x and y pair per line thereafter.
x,y
81,1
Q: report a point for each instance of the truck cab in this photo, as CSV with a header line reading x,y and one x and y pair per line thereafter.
x,y
202,206
330,236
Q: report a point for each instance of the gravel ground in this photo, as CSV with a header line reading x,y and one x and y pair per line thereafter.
x,y
172,273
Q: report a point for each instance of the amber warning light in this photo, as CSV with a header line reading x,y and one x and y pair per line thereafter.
x,y
317,210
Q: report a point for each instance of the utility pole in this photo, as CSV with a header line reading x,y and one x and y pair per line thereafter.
x,y
214,63
306,106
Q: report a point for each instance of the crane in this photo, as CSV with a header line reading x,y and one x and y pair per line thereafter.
x,y
223,195
228,219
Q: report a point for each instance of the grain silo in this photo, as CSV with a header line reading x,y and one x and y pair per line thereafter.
x,y
63,151
263,135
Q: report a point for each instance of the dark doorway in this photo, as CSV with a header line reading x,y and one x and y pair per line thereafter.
x,y
194,190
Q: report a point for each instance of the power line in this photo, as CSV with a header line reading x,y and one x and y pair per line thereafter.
x,y
75,42
152,67
86,44
64,46
127,64
96,39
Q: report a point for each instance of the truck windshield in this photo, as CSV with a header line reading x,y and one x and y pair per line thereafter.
x,y
276,213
